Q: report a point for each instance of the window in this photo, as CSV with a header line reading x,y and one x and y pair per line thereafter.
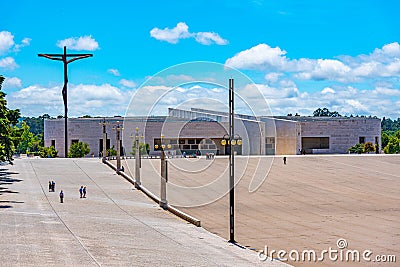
x,y
315,142
181,141
361,139
173,141
191,141
270,140
74,141
176,147
53,143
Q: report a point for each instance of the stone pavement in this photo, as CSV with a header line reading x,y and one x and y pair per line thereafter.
x,y
308,204
115,225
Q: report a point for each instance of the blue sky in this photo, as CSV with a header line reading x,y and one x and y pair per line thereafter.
x,y
300,55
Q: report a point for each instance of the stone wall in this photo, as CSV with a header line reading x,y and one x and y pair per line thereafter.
x,y
342,132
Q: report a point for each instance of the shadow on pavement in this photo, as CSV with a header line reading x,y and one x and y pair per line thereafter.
x,y
8,206
6,179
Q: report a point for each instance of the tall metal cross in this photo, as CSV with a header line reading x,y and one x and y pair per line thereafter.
x,y
63,58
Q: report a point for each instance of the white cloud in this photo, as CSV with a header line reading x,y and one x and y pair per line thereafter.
x,y
327,90
386,91
208,38
6,41
356,104
272,77
261,56
96,100
327,69
286,98
347,100
127,83
181,31
12,82
8,63
385,54
79,43
24,42
114,72
174,79
383,62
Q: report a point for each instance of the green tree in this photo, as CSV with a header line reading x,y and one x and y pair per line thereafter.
x,y
78,150
385,138
143,147
8,118
48,152
389,125
393,147
369,147
25,140
111,151
357,148
324,112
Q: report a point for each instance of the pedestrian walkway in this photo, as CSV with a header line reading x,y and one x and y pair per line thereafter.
x,y
114,225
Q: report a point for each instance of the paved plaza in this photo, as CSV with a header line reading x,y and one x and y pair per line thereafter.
x,y
309,203
115,225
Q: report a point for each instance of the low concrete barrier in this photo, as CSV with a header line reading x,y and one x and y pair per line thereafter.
x,y
156,199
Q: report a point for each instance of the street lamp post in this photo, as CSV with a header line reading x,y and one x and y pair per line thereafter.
x,y
231,140
164,173
104,124
118,129
137,158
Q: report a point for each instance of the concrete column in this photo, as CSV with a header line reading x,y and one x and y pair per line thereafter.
x,y
163,196
137,162
118,148
104,140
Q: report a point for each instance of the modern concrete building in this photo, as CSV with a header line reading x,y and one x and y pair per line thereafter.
x,y
199,131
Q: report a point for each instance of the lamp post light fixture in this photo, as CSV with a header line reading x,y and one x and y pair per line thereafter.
x,y
117,127
138,163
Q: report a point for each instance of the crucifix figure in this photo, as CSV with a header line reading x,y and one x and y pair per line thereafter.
x,y
63,58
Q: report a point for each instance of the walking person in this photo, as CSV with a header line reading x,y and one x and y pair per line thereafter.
x,y
284,160
84,192
53,186
81,191
50,187
61,196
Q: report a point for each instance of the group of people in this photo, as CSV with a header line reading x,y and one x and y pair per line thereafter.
x,y
82,191
52,186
